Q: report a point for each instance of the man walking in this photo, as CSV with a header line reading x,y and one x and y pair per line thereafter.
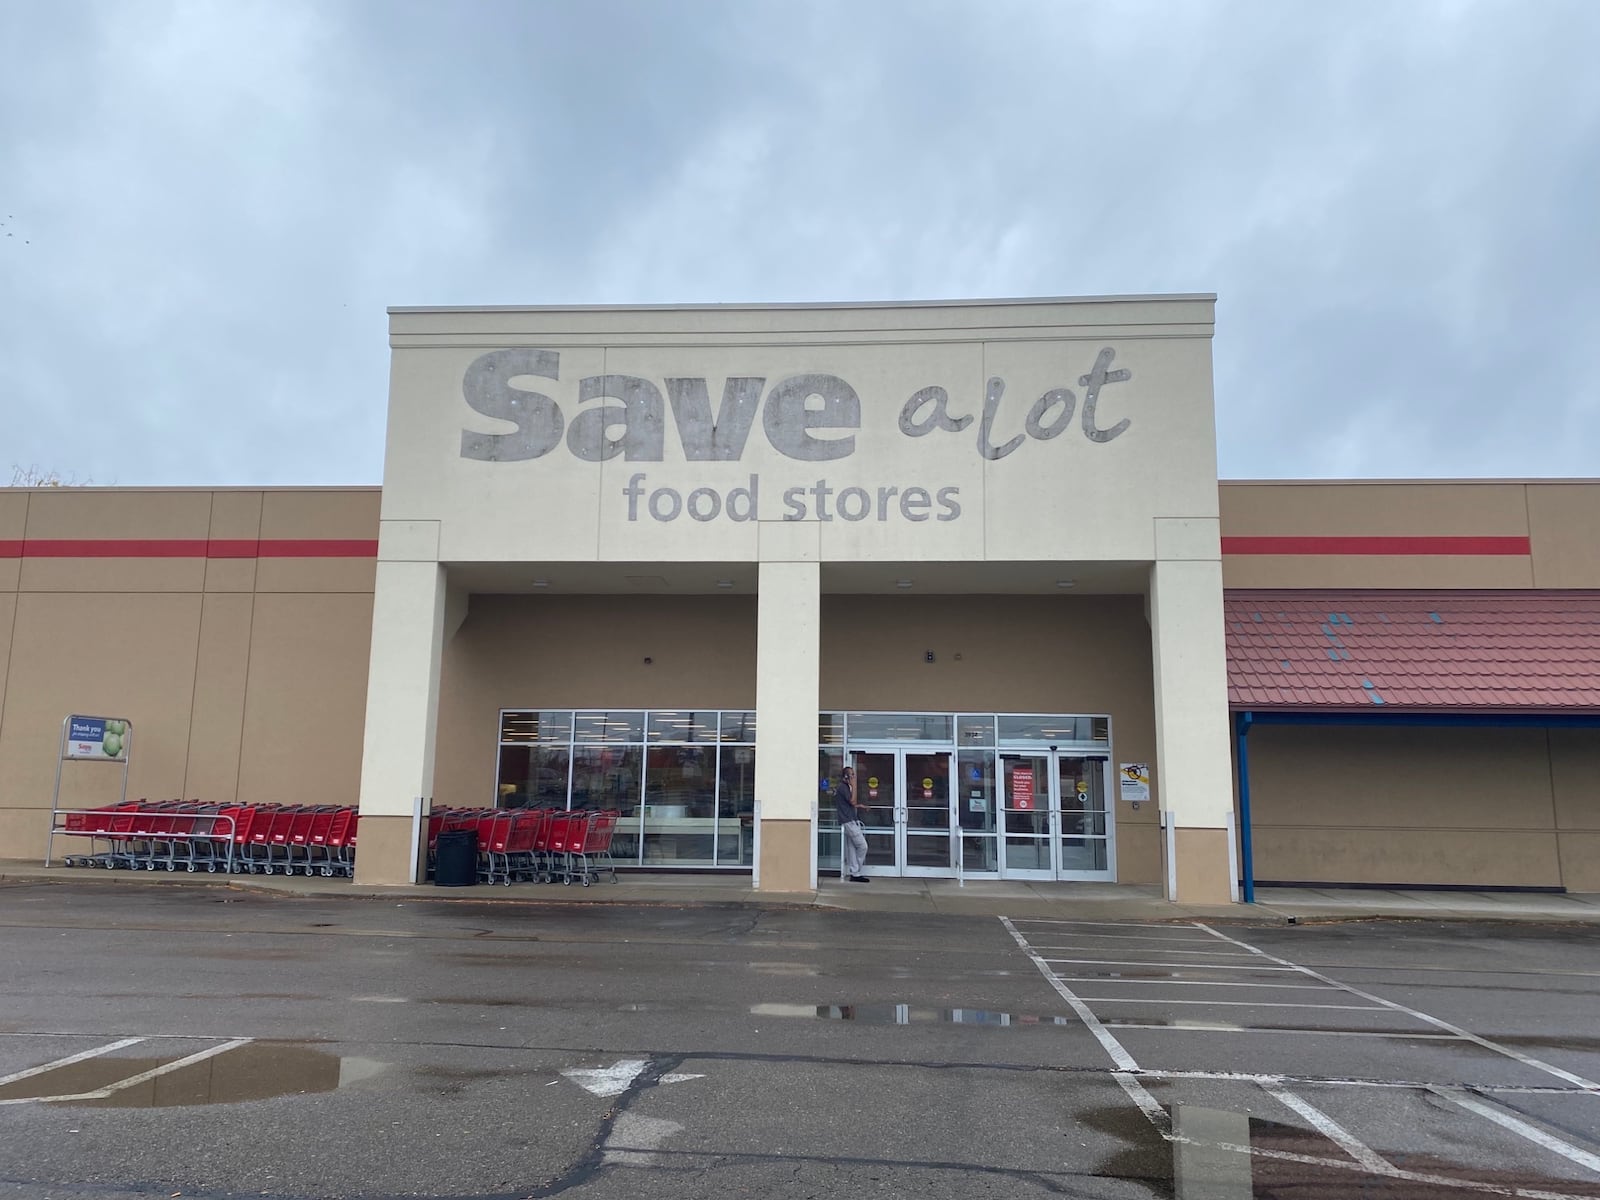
x,y
852,842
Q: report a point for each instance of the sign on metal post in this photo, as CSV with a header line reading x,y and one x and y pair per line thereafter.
x,y
89,739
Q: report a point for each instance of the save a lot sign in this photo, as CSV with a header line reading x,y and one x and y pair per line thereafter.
x,y
97,737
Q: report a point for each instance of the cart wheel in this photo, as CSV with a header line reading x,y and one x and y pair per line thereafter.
x,y
192,868
585,881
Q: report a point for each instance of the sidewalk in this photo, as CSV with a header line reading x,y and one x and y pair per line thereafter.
x,y
1058,901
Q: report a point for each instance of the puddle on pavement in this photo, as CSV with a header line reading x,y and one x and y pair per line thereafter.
x,y
1200,1164
256,1071
905,1014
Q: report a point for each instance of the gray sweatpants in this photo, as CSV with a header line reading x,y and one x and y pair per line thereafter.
x,y
854,845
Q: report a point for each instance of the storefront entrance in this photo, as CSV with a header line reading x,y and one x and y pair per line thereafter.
x,y
976,796
907,794
1056,823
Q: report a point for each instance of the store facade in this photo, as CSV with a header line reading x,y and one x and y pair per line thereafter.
x,y
683,563
679,562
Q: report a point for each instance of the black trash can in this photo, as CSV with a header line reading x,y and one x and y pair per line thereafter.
x,y
455,858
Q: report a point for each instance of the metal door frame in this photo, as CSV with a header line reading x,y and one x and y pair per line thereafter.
x,y
1055,872
898,805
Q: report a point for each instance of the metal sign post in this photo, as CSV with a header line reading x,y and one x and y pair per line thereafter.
x,y
89,739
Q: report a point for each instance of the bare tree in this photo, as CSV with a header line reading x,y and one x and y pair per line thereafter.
x,y
32,477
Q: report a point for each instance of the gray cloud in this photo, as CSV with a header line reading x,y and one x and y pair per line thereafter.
x,y
1394,203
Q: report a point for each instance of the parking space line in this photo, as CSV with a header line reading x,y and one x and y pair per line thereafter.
x,y
1132,1078
68,1061
1466,1035
1203,1027
112,1089
1113,977
1142,950
1093,924
1134,937
1114,1048
1519,1127
1126,962
1233,1003
1331,1129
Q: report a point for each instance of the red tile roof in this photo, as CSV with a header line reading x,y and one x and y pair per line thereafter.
x,y
1450,651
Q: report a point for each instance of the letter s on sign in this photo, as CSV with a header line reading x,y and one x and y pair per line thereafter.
x,y
486,386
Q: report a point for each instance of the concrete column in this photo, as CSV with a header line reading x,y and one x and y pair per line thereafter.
x,y
1193,764
788,659
409,608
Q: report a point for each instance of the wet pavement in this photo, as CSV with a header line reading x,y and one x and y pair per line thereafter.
x,y
204,1042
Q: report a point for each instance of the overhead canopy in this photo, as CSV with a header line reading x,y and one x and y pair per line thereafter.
x,y
1414,651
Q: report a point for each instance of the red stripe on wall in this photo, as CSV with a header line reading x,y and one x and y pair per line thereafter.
x,y
1378,545
189,548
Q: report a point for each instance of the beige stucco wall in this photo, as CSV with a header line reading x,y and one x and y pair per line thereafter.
x,y
244,679
1495,807
1557,518
583,652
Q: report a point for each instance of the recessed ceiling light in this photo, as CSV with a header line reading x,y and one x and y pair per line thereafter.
x,y
902,583
541,583
724,583
1066,583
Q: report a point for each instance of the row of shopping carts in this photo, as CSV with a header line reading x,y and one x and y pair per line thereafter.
x,y
533,844
178,835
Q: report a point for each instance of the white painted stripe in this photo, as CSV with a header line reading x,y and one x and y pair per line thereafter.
x,y
1525,1059
1092,924
1141,950
1203,1027
1411,1085
1124,962
1147,1103
1447,1182
69,1060
178,1065
1230,1003
1114,977
1192,940
1332,1130
143,1076
1114,1048
1521,1128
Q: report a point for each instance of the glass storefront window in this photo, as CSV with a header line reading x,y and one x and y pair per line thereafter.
x,y
736,806
680,806
899,727
830,762
974,731
674,726
975,809
830,729
538,726
1051,729
739,727
534,776
609,727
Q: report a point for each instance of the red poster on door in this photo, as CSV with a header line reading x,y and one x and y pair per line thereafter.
x,y
1022,787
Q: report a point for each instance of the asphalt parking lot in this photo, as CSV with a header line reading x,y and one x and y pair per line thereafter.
x,y
206,1042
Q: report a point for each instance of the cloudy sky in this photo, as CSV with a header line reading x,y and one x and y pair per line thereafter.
x,y
206,207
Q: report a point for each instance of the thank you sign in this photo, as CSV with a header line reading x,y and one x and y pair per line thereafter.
x,y
96,737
